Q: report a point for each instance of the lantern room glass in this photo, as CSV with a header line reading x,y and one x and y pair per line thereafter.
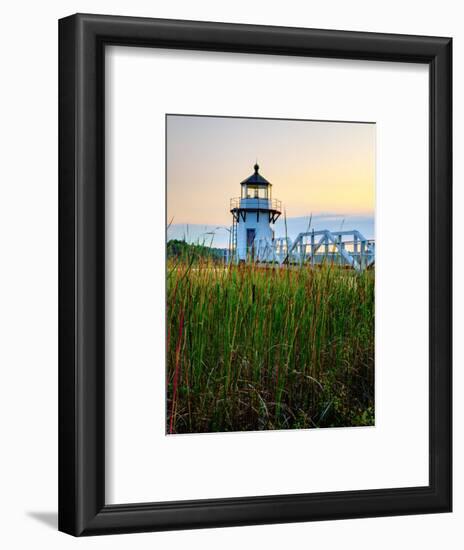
x,y
251,191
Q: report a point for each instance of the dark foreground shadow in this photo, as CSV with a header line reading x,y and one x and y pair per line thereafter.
x,y
50,519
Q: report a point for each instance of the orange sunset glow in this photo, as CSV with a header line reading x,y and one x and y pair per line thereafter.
x,y
315,167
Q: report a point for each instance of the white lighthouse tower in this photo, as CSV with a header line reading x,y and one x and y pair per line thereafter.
x,y
253,214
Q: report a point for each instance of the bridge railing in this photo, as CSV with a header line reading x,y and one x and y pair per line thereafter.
x,y
345,248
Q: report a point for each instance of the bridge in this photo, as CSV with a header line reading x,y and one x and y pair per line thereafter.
x,y
345,248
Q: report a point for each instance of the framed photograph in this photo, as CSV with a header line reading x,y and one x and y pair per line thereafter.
x,y
270,316
255,274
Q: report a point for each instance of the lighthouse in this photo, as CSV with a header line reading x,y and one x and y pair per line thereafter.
x,y
253,215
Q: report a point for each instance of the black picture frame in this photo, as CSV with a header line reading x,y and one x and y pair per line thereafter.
x,y
82,508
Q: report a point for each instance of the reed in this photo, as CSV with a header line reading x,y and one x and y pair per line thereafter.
x,y
257,348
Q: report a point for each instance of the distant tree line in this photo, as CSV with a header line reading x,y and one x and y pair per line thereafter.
x,y
182,249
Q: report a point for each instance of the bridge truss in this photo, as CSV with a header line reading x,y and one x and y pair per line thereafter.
x,y
344,248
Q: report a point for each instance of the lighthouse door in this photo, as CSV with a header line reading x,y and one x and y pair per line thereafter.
x,y
251,234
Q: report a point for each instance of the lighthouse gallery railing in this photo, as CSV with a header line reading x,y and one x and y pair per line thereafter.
x,y
252,202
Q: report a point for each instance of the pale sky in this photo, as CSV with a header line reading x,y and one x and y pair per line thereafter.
x,y
317,168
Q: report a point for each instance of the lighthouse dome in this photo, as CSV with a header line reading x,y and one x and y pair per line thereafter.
x,y
256,178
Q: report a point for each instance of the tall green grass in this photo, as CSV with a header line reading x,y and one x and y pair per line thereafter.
x,y
256,348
